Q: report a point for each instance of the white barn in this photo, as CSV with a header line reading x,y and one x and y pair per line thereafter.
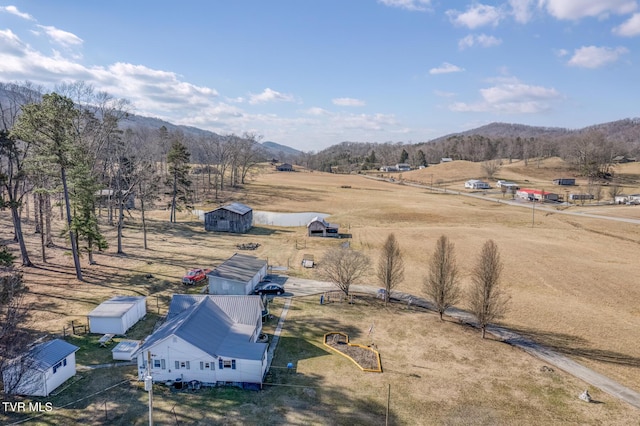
x,y
117,315
41,370
207,338
237,275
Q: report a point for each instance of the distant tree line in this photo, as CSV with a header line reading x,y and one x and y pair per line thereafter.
x,y
590,151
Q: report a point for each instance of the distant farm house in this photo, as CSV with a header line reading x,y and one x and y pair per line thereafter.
x,y
476,184
235,218
284,167
320,228
536,195
389,169
564,181
403,167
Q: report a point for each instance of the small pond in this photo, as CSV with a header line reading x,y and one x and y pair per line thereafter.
x,y
285,219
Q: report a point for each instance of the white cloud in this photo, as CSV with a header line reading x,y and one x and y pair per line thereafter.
x,y
348,102
476,15
445,68
414,5
317,111
269,95
511,96
522,10
595,57
577,9
629,28
481,40
14,11
61,37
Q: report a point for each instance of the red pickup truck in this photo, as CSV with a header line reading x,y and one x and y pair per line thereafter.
x,y
194,276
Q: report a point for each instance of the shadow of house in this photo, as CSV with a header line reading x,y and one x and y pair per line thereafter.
x,y
235,218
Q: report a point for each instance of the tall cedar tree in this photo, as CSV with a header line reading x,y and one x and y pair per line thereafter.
x,y
344,267
178,164
442,283
390,271
487,300
49,125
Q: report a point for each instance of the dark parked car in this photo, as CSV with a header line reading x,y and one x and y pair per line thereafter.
x,y
268,288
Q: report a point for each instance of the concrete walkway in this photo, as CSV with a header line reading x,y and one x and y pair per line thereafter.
x,y
302,287
276,334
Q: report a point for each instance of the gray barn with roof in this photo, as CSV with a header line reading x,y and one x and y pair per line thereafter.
x,y
209,339
235,218
41,369
237,275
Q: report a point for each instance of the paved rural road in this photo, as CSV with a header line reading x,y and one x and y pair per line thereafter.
x,y
304,287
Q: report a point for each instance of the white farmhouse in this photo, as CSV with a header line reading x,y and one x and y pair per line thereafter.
x,y
209,339
41,370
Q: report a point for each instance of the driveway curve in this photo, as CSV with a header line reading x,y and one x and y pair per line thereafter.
x,y
296,287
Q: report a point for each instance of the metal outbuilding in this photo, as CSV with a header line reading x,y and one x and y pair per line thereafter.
x,y
117,315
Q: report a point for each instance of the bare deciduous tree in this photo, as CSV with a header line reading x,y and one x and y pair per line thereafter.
x,y
390,270
487,300
343,267
491,167
442,283
614,191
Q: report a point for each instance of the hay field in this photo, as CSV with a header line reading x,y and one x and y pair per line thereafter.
x,y
572,280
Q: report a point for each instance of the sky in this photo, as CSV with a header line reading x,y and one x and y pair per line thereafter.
x,y
311,74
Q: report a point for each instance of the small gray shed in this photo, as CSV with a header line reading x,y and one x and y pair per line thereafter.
x,y
117,315
237,275
235,218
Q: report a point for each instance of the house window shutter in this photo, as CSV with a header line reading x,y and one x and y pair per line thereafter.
x,y
201,365
220,363
213,365
177,365
233,364
64,362
188,366
162,363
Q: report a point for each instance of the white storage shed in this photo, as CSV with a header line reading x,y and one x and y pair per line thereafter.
x,y
40,370
117,315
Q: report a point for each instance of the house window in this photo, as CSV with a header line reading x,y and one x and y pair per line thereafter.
x,y
183,365
157,363
206,365
227,363
64,362
55,367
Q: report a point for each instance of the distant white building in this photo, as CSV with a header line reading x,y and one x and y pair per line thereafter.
x,y
446,160
117,315
403,167
476,184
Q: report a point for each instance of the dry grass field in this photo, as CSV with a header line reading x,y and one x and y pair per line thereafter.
x,y
572,282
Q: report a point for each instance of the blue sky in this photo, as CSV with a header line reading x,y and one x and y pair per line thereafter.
x,y
311,74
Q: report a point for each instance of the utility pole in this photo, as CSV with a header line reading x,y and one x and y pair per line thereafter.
x,y
533,212
148,385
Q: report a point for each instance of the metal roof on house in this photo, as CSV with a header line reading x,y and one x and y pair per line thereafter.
x,y
116,306
205,326
239,267
238,208
241,309
45,355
